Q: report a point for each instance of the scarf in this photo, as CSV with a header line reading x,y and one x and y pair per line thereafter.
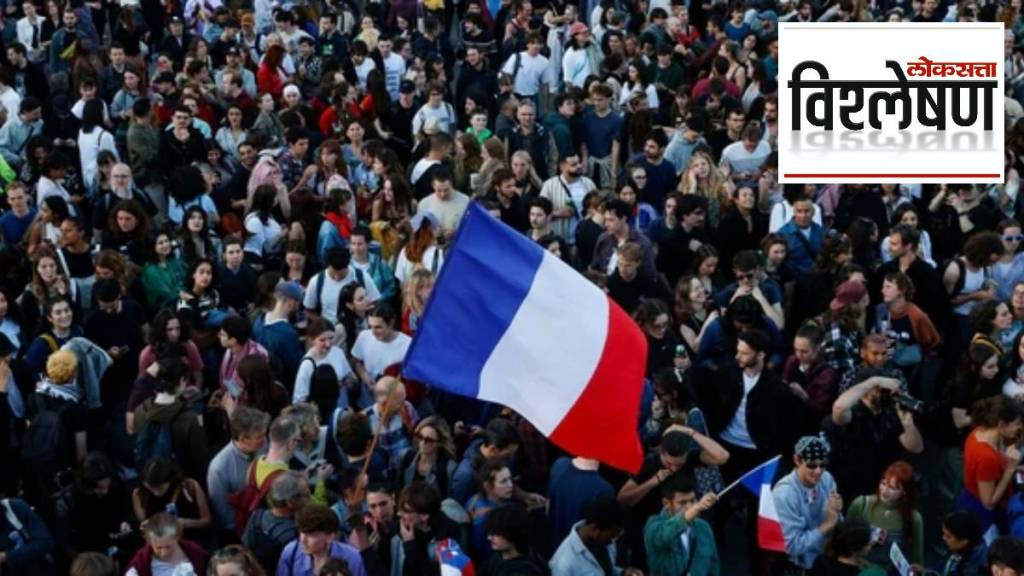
x,y
341,222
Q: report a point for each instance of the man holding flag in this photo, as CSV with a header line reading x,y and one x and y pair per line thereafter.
x,y
806,502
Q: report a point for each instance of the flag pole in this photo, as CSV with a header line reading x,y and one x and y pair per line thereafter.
x,y
741,478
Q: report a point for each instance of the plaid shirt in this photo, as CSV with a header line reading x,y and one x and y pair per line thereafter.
x,y
842,348
291,169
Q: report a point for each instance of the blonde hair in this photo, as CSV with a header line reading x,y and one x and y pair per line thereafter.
x,y
61,366
410,291
306,415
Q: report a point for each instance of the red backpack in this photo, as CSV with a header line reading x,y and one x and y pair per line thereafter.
x,y
251,497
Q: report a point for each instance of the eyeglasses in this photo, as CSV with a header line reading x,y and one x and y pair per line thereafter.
x,y
1015,238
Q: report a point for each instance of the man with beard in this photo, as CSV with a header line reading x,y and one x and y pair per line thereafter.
x,y
121,188
661,175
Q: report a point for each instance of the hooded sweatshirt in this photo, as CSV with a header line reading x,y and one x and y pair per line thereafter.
x,y
187,435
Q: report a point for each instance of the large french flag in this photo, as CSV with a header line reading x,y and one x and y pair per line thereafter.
x,y
509,323
769,529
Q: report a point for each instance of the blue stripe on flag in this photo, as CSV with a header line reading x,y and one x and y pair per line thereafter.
x,y
486,276
763,474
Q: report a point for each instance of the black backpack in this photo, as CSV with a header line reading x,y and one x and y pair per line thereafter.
x,y
45,447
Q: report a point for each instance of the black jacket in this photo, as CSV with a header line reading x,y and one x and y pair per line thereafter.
x,y
722,392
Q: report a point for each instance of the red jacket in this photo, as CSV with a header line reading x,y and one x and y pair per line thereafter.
x,y
194,552
268,80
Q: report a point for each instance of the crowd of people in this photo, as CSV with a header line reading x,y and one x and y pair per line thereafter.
x,y
222,222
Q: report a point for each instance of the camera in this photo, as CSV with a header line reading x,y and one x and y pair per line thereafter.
x,y
904,400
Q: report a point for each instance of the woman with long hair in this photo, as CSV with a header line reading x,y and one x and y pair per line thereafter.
x,y
990,319
271,77
892,512
127,231
653,318
200,301
467,161
703,178
742,225
492,153
190,186
636,83
92,138
264,233
737,72
232,132
170,327
164,273
433,457
527,180
354,304
258,387
422,250
162,484
101,184
415,294
267,171
989,452
692,309
320,350
195,238
330,167
48,283
391,212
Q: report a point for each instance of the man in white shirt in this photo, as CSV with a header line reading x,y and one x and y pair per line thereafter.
x,y
446,203
361,63
530,71
394,67
744,159
30,31
9,97
380,346
324,290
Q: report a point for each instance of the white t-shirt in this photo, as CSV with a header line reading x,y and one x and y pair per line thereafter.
x,y
737,433
404,268
332,291
262,237
394,69
375,355
449,212
363,70
335,357
533,71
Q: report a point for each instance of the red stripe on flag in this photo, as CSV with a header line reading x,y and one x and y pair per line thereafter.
x,y
769,535
602,424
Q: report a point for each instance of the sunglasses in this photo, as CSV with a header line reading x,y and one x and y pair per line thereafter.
x,y
745,276
426,439
816,465
1016,238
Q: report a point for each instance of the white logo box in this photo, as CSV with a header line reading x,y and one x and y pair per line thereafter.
x,y
961,55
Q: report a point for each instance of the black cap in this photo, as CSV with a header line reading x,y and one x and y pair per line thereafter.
x,y
232,50
407,87
177,20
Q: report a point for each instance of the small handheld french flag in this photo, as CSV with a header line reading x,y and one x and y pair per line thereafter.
x,y
508,322
759,482
453,561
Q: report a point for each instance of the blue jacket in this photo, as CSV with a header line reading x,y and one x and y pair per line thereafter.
x,y
294,562
32,554
282,342
801,510
801,250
